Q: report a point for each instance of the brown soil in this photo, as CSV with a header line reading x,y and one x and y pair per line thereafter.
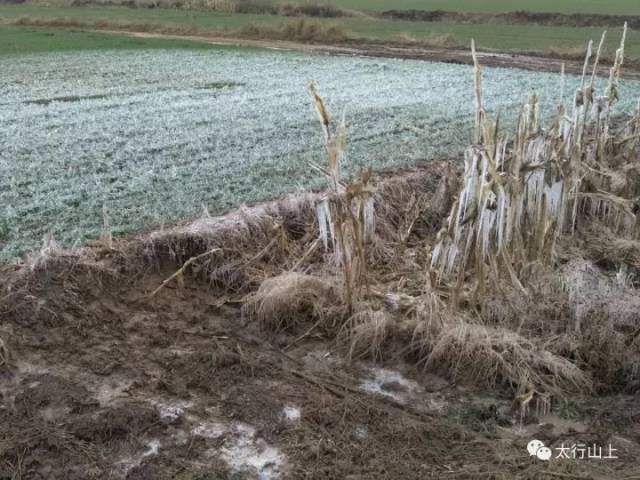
x,y
102,381
526,61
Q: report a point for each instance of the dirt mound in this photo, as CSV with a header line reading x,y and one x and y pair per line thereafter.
x,y
104,380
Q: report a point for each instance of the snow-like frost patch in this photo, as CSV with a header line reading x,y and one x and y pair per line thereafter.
x,y
210,430
291,414
125,465
171,411
361,431
108,393
390,383
242,449
153,448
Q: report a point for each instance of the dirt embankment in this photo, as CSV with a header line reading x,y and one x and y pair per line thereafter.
x,y
516,18
99,379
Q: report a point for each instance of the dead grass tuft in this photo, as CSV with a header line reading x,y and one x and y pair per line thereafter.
x,y
605,247
4,354
299,30
289,300
432,41
497,356
366,333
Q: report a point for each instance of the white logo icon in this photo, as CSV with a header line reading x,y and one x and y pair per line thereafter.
x,y
544,453
537,448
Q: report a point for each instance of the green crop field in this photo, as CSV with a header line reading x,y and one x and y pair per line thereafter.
x,y
613,7
16,40
499,37
502,37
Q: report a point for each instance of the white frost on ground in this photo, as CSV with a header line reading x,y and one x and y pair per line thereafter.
x,y
171,411
242,449
291,414
125,465
128,129
154,448
390,383
362,431
107,393
210,430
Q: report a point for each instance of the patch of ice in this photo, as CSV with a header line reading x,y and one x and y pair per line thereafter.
x,y
242,449
125,465
154,447
390,383
245,451
291,414
210,430
108,393
27,368
362,431
170,412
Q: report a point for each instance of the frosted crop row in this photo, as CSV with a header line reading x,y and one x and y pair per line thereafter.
x,y
154,136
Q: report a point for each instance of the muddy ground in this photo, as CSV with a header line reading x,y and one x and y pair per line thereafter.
x,y
104,382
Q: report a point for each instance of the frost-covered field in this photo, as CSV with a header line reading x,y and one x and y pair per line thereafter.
x,y
157,135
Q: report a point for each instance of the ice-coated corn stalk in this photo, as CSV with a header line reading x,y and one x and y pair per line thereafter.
x,y
346,215
518,197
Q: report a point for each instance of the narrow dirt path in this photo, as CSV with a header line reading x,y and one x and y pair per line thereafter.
x,y
462,56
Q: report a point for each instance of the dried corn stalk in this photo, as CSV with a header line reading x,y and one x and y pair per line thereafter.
x,y
346,215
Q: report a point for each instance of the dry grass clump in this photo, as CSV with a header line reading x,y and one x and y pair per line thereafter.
x,y
302,29
602,349
254,7
567,53
446,40
4,354
260,7
298,30
291,299
321,10
544,311
498,356
366,332
612,251
589,290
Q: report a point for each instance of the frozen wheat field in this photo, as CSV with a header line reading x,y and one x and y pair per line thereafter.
x,y
157,136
